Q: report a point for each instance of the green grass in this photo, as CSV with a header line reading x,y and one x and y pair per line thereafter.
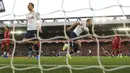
x,y
76,62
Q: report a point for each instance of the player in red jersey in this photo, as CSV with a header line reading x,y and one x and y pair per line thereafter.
x,y
6,42
34,49
116,44
113,47
36,46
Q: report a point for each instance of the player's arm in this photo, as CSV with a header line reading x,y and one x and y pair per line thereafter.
x,y
73,25
87,31
27,17
119,41
9,33
39,22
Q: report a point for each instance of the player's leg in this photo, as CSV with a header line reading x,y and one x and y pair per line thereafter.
x,y
117,52
2,49
71,48
28,35
65,46
33,52
74,48
114,52
70,45
77,46
37,53
113,48
30,52
36,47
120,51
7,49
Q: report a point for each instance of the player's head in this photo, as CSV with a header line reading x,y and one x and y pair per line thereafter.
x,y
30,6
89,22
35,41
6,27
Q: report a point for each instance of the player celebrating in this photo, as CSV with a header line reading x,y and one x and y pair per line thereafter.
x,y
33,24
113,47
6,42
116,45
80,27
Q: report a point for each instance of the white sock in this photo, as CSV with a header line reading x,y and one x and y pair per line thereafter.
x,y
4,53
7,54
120,54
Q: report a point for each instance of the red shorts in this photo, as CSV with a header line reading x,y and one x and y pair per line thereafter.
x,y
5,43
116,46
113,47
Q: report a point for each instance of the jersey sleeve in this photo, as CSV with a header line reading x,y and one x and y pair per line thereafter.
x,y
38,16
39,21
82,23
86,29
8,33
27,17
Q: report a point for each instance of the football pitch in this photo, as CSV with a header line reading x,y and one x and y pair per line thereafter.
x,y
80,64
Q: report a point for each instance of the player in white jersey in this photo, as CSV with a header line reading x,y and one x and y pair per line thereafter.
x,y
80,28
33,24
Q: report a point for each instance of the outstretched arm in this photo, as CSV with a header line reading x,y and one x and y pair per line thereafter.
x,y
73,25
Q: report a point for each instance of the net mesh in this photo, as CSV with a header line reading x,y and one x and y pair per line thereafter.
x,y
100,66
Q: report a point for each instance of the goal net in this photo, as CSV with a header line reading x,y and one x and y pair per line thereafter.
x,y
102,12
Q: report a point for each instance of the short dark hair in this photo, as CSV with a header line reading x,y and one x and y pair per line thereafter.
x,y
88,20
7,26
32,4
35,39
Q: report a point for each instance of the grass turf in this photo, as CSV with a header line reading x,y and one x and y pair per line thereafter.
x,y
77,62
